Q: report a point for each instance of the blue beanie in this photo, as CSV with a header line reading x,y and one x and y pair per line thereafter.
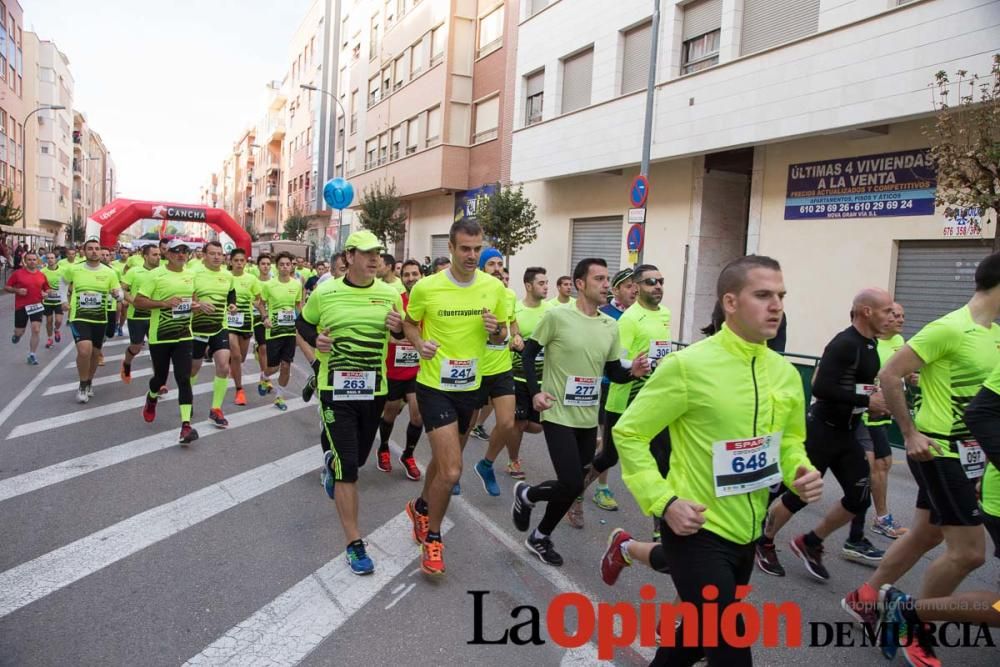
x,y
487,255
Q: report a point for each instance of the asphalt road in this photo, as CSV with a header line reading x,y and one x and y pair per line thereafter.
x,y
119,547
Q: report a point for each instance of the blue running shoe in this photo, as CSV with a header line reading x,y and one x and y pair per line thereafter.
x,y
358,558
486,474
457,489
328,474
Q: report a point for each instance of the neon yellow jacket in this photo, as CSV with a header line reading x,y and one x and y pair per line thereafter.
x,y
719,389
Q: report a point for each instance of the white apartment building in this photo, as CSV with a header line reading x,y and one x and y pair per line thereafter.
x,y
50,137
790,128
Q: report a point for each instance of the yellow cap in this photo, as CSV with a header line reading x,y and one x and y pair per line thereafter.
x,y
363,241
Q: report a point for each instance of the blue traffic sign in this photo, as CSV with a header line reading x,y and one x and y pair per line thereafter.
x,y
638,192
634,238
338,193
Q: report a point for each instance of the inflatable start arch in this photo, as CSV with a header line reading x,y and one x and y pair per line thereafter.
x,y
121,214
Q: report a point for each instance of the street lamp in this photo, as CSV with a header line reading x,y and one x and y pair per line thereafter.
x,y
343,154
24,159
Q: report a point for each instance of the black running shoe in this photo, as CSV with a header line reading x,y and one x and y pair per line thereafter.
x,y
544,550
520,511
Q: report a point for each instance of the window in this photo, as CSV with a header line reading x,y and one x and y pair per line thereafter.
x,y
386,79
398,67
534,92
383,148
701,52
411,136
535,6
351,161
373,91
700,35
390,12
433,124
437,45
343,33
767,23
396,138
635,58
416,58
487,115
354,111
578,73
373,42
371,147
491,32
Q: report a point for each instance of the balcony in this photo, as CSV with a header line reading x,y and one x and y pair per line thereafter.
x,y
271,193
276,131
273,164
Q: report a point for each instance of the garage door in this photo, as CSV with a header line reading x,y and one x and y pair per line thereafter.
x,y
935,277
598,237
439,246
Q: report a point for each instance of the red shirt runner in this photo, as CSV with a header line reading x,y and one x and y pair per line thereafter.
x,y
403,353
35,283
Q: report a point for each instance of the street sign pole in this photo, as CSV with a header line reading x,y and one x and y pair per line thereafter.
x,y
647,130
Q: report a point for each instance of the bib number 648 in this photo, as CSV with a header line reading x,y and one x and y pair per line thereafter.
x,y
754,462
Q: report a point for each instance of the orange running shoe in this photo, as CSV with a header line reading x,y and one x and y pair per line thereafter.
x,y
241,398
432,558
125,374
420,522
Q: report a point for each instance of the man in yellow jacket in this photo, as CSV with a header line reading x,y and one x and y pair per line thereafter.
x,y
736,414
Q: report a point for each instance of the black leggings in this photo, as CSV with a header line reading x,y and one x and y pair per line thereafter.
x,y
571,451
162,355
696,561
837,450
659,447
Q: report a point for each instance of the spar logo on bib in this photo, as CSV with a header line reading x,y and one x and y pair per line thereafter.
x,y
741,445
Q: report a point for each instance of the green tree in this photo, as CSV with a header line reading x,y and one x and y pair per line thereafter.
x,y
9,212
296,225
965,143
382,213
77,231
508,220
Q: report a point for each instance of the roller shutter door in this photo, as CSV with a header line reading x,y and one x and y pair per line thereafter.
x,y
598,237
439,246
935,277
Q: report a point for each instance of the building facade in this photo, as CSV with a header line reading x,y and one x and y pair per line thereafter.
x,y
13,104
93,173
790,129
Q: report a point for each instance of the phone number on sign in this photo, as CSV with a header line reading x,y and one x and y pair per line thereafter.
x,y
857,206
964,230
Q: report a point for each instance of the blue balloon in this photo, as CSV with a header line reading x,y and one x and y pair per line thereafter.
x,y
338,193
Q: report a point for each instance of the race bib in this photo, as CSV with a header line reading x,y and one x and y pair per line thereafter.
x,y
406,357
458,374
181,310
285,317
741,466
53,296
970,453
353,385
234,319
33,308
582,392
90,299
657,350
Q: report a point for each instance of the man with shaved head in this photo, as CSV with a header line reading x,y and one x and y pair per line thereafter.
x,y
844,388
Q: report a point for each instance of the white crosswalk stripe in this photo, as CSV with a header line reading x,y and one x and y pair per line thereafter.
x,y
93,413
57,569
66,470
107,379
285,631
112,358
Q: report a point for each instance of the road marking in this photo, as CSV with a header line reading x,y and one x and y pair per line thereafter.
x,y
400,596
107,379
290,627
59,421
111,358
57,569
43,373
66,470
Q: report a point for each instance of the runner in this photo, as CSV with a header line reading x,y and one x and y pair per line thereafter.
x,y
387,273
497,388
52,302
450,317
564,291
349,322
111,325
168,294
440,264
528,313
727,389
875,439
92,285
581,344
643,327
843,388
954,355
29,285
121,266
241,324
402,362
282,298
264,275
215,294
138,320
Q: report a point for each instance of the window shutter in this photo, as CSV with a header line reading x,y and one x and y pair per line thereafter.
x,y
767,23
702,17
635,58
578,75
534,84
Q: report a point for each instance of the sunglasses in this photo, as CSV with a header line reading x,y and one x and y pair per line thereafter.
x,y
652,281
181,250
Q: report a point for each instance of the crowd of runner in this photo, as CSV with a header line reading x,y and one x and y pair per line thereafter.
x,y
716,442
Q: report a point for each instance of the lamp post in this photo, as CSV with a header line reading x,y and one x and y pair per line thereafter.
x,y
24,159
343,154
